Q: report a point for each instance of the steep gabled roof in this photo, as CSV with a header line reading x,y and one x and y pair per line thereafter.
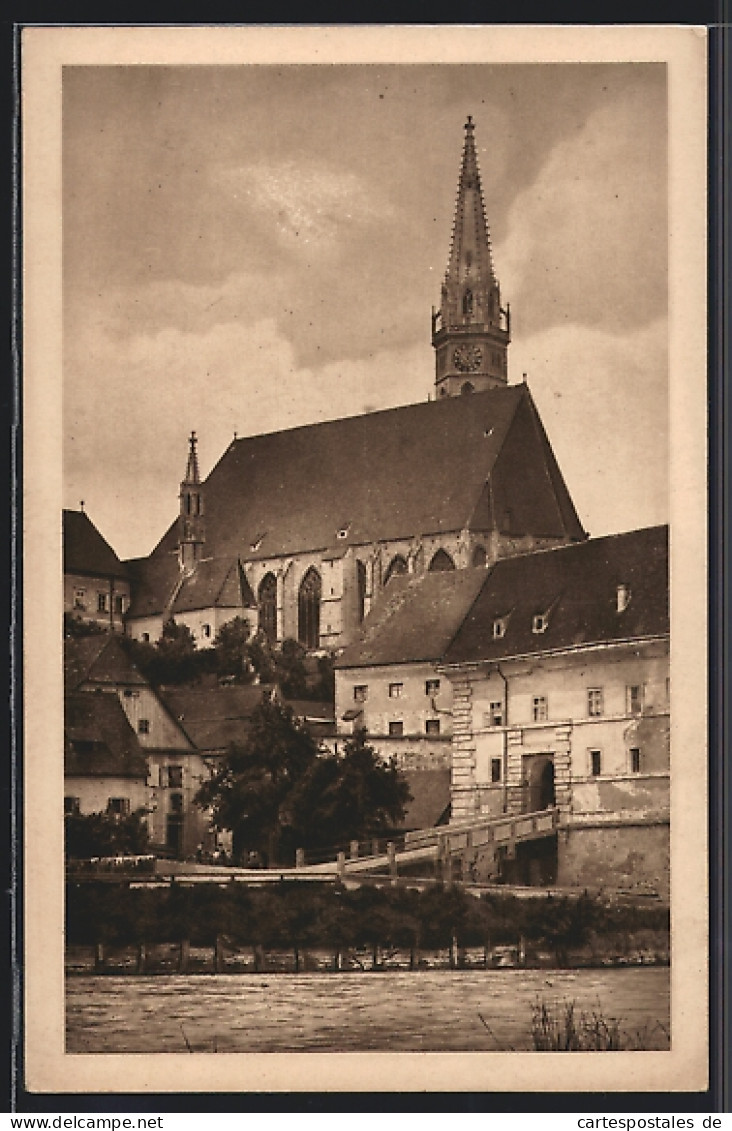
x,y
415,619
401,473
86,551
214,583
576,588
101,659
98,739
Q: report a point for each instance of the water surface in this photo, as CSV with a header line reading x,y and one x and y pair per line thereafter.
x,y
402,1011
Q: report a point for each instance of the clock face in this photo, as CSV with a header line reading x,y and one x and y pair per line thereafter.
x,y
467,358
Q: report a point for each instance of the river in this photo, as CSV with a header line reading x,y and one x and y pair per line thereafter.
x,y
400,1011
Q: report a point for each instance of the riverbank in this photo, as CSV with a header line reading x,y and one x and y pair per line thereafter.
x,y
290,928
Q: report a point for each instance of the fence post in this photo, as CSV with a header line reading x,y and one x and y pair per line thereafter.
x,y
391,857
353,850
341,863
299,857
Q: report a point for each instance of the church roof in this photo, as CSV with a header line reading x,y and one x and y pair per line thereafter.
x,y
430,468
99,741
415,620
575,589
99,658
85,551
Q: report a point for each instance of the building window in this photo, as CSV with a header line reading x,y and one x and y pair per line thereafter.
x,y
308,609
102,606
80,599
539,711
397,566
540,623
176,803
479,556
634,698
268,606
175,777
432,687
396,729
361,580
441,561
495,770
594,702
118,806
206,631
145,637
595,763
361,692
72,806
495,714
635,760
119,604
499,628
432,726
395,690
143,726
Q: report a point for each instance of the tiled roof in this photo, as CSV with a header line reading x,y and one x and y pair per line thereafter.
x,y
446,465
415,619
99,658
576,588
85,551
430,791
217,716
98,739
215,583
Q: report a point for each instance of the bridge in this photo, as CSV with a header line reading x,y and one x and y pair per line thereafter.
x,y
435,851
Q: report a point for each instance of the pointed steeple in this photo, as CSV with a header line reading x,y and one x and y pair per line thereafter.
x,y
471,330
191,535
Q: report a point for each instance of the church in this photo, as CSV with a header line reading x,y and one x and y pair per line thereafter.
x,y
299,532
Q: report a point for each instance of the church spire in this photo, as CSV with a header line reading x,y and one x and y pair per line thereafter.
x,y
191,534
471,330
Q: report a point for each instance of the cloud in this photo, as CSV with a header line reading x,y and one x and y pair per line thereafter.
x,y
603,399
157,386
587,240
306,203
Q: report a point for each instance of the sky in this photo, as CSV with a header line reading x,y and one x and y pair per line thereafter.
x,y
250,248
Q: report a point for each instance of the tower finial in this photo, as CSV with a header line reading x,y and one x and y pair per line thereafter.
x,y
192,475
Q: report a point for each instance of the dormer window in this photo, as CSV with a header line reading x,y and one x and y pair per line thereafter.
x,y
343,531
623,598
499,628
540,623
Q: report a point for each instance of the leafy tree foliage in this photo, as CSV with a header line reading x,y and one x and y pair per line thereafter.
x,y
250,791
76,627
104,834
232,651
349,796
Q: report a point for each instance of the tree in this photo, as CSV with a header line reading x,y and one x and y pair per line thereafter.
x,y
231,649
249,793
104,834
348,797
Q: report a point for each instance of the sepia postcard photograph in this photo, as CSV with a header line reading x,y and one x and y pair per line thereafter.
x,y
365,522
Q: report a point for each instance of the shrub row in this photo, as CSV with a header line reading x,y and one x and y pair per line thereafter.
x,y
292,914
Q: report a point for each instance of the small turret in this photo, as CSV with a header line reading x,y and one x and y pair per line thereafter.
x,y
191,533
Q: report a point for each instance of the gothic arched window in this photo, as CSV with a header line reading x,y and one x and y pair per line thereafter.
x,y
441,560
468,387
268,606
361,579
479,556
308,609
397,565
468,303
